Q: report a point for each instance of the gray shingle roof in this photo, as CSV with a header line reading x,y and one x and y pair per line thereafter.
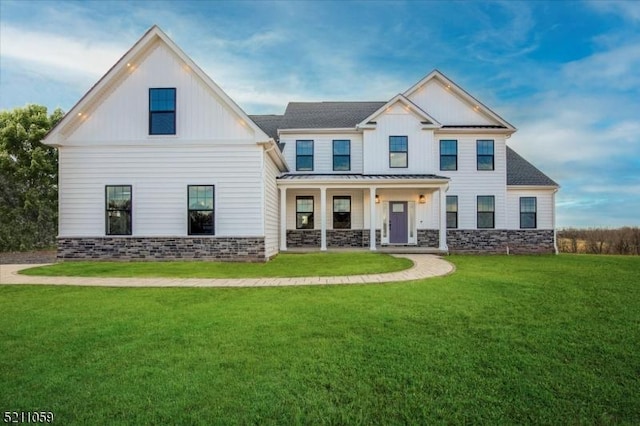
x,y
328,115
521,172
268,123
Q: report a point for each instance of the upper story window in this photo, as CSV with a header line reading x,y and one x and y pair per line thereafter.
x,y
342,212
486,211
304,155
452,211
304,212
162,111
341,155
449,155
528,212
398,151
485,154
118,209
200,209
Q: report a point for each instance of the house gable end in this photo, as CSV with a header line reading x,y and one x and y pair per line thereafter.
x,y
452,105
107,109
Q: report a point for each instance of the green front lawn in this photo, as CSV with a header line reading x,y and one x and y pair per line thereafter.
x,y
504,340
284,265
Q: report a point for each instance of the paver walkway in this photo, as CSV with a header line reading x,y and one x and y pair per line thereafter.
x,y
424,266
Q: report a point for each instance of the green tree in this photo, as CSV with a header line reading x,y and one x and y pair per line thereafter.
x,y
28,179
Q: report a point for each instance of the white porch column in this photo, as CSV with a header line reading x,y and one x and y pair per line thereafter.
x,y
283,219
323,218
372,218
443,220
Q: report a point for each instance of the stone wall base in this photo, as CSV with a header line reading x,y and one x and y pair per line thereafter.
x,y
243,249
513,241
336,238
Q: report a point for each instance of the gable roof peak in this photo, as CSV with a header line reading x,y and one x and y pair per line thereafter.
x,y
121,69
461,93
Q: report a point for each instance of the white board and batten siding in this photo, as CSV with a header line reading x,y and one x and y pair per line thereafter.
x,y
271,207
544,206
323,151
123,114
446,106
112,146
468,182
397,121
357,206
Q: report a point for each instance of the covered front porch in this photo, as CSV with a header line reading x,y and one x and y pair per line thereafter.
x,y
376,212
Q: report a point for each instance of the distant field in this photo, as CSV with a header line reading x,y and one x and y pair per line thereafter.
x,y
503,340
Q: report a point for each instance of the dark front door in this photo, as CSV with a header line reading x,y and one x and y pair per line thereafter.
x,y
398,222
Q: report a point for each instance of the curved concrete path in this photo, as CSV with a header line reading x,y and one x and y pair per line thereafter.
x,y
424,266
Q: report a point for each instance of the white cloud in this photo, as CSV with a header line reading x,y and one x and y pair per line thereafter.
x,y
53,53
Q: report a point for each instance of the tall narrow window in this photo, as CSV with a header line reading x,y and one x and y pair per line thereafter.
x,y
528,212
485,153
304,155
304,212
342,212
449,155
398,151
162,111
486,211
452,211
118,206
341,155
200,209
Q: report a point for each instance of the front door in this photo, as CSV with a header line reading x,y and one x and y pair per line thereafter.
x,y
398,222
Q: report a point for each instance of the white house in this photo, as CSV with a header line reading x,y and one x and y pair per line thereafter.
x,y
157,162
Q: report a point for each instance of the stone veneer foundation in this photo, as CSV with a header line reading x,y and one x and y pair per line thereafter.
x,y
513,241
518,241
248,249
336,238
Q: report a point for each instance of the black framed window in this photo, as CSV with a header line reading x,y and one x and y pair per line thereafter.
x,y
118,209
486,211
398,151
342,212
528,212
485,152
304,155
341,155
452,211
304,212
162,111
200,209
448,155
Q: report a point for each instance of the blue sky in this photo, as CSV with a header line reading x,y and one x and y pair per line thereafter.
x,y
566,74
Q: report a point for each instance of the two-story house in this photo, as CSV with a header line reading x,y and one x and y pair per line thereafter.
x,y
157,162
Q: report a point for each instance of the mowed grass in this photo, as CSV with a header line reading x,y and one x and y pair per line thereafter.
x,y
504,340
284,265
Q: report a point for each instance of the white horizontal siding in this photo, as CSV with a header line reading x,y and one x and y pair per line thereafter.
x,y
398,122
123,114
159,177
447,107
323,151
271,206
544,204
468,182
